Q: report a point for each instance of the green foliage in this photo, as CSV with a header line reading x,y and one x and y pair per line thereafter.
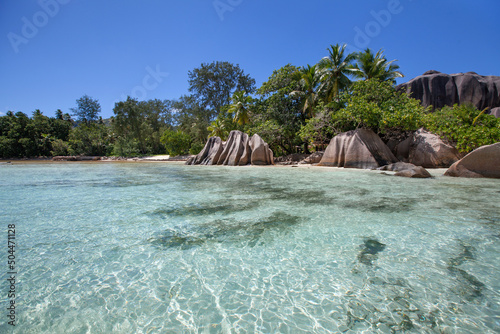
x,y
465,126
138,126
378,106
7,147
191,118
240,107
176,142
334,71
296,106
123,147
272,133
376,66
196,147
87,109
308,78
90,139
278,116
59,147
319,128
213,85
220,128
21,136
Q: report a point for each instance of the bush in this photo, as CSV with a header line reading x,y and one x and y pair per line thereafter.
x,y
59,147
90,139
196,148
176,142
464,126
126,148
318,128
7,147
378,106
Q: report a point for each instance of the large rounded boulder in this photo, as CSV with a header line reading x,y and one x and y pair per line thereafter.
x,y
359,148
482,162
260,154
438,89
428,150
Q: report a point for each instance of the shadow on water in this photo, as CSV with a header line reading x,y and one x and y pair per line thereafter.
x,y
266,190
382,205
206,209
225,230
469,287
369,250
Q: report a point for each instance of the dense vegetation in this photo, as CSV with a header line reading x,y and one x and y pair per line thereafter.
x,y
465,126
296,109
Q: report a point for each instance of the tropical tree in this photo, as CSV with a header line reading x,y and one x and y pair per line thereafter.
x,y
213,84
309,81
139,125
87,109
278,116
218,128
334,71
176,142
192,118
90,139
240,106
376,66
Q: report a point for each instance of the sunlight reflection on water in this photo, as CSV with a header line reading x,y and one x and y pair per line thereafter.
x,y
158,248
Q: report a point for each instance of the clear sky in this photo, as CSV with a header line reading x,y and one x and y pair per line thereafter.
x,y
54,51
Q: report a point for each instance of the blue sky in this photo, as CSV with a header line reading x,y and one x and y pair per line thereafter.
x,y
54,51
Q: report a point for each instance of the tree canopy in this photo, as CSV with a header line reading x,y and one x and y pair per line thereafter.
x,y
376,66
294,110
213,85
87,109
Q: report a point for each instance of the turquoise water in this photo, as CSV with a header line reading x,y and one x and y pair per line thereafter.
x,y
162,248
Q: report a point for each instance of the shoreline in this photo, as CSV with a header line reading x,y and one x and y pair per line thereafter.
x,y
49,161
435,172
93,159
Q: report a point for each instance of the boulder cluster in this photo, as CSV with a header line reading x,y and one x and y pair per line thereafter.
x,y
362,148
238,150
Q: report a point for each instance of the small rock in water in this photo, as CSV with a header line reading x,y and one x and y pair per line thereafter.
x,y
369,251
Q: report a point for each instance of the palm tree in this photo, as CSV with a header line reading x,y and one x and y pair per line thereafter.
x,y
218,128
239,108
376,66
309,80
334,71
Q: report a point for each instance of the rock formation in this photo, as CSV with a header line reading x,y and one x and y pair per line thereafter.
x,y
238,150
482,162
313,158
210,154
290,159
426,149
359,148
260,152
495,112
407,170
438,89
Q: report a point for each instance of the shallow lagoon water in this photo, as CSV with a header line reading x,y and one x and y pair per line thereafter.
x,y
163,248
